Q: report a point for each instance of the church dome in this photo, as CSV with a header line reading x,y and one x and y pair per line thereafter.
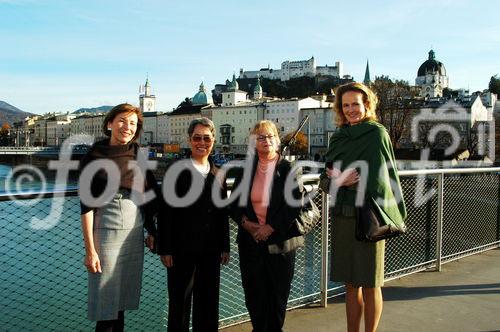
x,y
201,98
431,66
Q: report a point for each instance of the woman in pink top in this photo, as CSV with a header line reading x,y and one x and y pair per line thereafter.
x,y
266,219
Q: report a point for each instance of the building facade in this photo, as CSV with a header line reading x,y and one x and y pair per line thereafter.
x,y
431,77
295,69
234,122
58,128
150,128
163,133
89,124
319,129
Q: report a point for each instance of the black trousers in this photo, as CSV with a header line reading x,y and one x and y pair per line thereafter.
x,y
266,280
196,279
115,325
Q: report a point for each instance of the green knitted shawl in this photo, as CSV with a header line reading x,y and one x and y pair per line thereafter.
x,y
368,144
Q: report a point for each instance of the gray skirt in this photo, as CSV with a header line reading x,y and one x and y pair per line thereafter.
x,y
119,242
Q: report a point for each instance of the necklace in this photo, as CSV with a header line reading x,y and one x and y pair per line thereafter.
x,y
263,169
266,167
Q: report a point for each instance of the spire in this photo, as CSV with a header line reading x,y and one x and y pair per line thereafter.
x,y
234,84
432,55
257,90
202,87
367,80
147,86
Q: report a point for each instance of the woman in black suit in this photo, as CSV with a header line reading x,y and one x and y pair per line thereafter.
x,y
193,238
267,238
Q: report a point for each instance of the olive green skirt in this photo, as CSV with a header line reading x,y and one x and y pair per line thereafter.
x,y
360,264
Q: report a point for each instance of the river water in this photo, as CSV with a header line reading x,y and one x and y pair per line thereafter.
x,y
44,283
26,179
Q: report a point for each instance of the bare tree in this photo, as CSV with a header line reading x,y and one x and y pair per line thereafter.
x,y
442,140
395,106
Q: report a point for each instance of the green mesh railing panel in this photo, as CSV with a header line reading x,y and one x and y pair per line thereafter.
x,y
470,206
44,282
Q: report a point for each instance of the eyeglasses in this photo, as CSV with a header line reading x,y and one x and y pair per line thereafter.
x,y
205,138
263,138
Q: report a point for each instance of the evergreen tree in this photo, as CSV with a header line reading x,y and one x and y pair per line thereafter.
x,y
494,85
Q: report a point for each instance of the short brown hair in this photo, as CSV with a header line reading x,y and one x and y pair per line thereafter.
x,y
369,98
119,109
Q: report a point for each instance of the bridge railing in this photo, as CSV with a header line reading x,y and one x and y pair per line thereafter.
x,y
452,213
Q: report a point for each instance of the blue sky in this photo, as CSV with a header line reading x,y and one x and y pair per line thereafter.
x,y
58,56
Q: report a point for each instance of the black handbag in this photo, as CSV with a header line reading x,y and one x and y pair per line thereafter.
x,y
309,217
371,226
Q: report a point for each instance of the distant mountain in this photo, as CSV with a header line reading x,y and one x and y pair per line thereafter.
x,y
10,114
100,109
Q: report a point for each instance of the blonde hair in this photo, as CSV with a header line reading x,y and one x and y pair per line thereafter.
x,y
370,101
269,125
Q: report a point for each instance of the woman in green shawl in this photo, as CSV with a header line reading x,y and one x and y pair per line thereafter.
x,y
361,164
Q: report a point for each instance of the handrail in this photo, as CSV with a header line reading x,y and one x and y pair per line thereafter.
x,y
39,194
311,177
448,171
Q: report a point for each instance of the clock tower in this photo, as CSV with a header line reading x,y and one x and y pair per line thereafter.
x,y
147,101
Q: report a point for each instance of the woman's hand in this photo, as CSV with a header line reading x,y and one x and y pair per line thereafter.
x,y
333,172
167,260
92,262
224,258
347,178
150,242
263,232
250,227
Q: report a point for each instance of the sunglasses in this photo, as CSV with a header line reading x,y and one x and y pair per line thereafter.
x,y
205,138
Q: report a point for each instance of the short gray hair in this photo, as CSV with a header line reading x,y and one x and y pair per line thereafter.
x,y
206,122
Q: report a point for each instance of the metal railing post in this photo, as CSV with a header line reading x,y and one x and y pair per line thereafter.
x,y
324,249
439,226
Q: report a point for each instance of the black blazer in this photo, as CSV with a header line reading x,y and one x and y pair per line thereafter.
x,y
280,215
198,228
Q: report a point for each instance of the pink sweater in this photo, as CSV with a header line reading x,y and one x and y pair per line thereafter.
x,y
261,188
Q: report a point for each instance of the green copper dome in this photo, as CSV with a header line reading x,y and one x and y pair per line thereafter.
x,y
201,98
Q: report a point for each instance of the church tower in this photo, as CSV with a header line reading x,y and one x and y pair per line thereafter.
x,y
432,77
233,95
257,90
147,101
367,80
